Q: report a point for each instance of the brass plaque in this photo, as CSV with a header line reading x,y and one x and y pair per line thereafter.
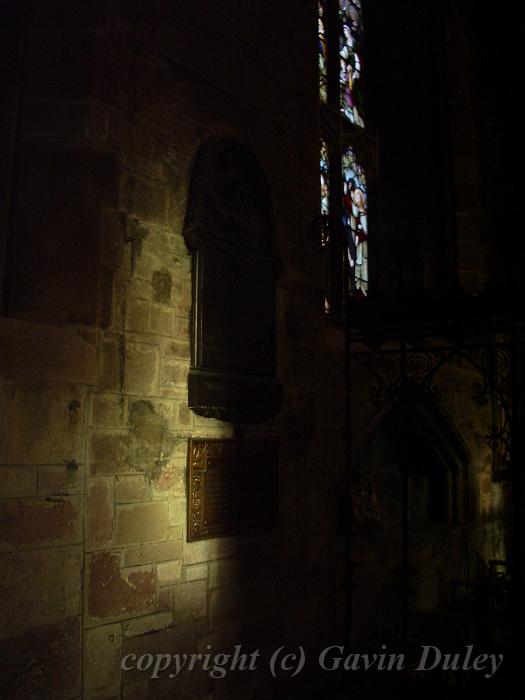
x,y
232,487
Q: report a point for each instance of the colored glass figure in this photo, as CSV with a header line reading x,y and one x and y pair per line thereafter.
x,y
355,221
325,221
322,52
325,193
350,65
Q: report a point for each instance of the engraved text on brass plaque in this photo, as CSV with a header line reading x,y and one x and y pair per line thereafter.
x,y
232,487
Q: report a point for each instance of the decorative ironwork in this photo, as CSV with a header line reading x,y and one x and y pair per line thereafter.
x,y
390,368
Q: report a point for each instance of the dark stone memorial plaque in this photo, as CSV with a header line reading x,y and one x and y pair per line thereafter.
x,y
232,487
229,229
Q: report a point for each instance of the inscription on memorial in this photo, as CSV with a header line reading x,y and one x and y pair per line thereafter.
x,y
229,229
232,487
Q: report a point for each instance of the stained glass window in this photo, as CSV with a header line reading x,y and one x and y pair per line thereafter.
x,y
355,220
322,52
350,55
344,217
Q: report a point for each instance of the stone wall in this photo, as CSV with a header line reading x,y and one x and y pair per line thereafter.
x,y
94,420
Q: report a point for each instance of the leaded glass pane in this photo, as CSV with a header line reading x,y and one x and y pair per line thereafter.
x,y
325,221
325,192
350,64
355,220
322,51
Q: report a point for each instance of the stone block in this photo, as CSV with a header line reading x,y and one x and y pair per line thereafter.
x,y
44,658
141,373
182,295
170,481
102,646
177,512
137,315
151,442
182,328
206,550
181,639
31,523
184,418
196,572
177,349
147,624
105,299
39,587
190,601
176,532
48,353
161,284
169,573
114,594
165,599
18,481
63,479
150,553
109,452
41,423
142,522
174,374
99,511
132,488
134,287
110,364
146,201
161,320
119,308
109,411
114,226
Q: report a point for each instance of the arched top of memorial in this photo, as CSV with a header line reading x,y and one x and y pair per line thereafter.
x,y
229,203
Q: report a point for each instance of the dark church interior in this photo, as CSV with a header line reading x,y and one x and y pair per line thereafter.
x,y
261,350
